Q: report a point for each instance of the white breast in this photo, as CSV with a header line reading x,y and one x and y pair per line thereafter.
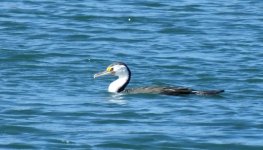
x,y
117,84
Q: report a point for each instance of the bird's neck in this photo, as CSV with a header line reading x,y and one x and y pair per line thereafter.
x,y
119,84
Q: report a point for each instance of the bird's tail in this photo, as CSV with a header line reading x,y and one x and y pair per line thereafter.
x,y
208,92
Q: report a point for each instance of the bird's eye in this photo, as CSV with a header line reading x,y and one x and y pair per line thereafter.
x,y
109,69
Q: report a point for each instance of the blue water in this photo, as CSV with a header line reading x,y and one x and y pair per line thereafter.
x,y
51,49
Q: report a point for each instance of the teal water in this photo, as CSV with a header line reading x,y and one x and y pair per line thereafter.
x,y
51,49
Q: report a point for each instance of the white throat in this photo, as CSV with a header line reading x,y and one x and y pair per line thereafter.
x,y
117,84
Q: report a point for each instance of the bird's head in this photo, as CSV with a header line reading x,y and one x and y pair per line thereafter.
x,y
117,69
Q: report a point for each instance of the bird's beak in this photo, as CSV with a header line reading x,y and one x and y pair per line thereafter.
x,y
103,73
108,71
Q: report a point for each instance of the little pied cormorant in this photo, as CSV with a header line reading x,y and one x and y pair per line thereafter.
x,y
124,75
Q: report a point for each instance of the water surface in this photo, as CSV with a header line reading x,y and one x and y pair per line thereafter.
x,y
50,51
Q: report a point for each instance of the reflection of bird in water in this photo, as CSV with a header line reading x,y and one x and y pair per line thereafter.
x,y
124,75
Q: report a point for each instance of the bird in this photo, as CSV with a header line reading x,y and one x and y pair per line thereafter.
x,y
122,71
